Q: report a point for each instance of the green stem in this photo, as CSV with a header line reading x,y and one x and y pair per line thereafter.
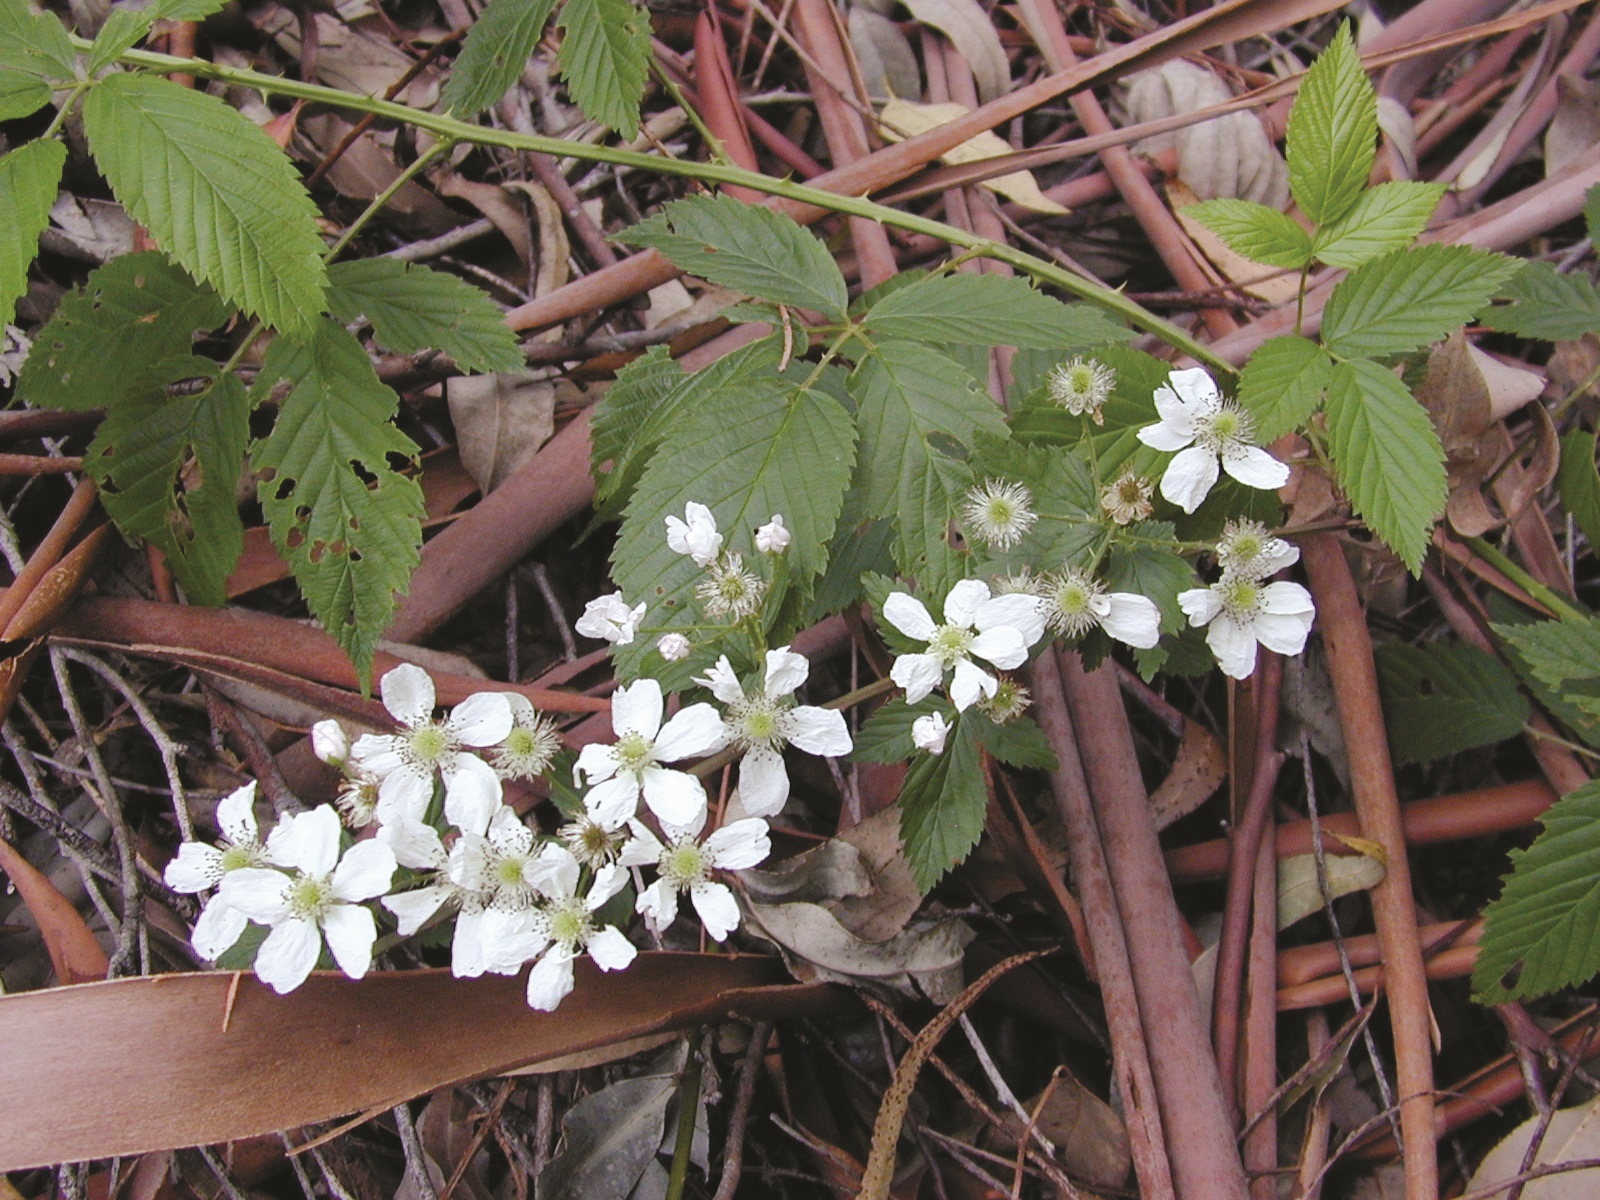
x,y
1545,596
452,129
441,147
688,1107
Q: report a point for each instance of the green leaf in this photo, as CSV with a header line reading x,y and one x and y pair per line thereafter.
x,y
348,524
1261,234
1546,304
1019,742
29,176
1579,483
885,736
747,248
914,405
1406,299
942,805
21,94
989,310
605,59
214,191
1068,521
621,413
168,467
1446,697
1387,217
1591,212
35,44
1149,570
1282,384
134,312
122,29
415,308
1113,445
1387,455
498,47
1561,659
1543,932
1333,132
186,10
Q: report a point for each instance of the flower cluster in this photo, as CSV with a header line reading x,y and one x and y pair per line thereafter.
x,y
1240,609
1210,434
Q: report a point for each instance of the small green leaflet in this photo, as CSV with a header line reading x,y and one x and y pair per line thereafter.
x,y
885,736
214,191
29,176
497,49
122,29
35,44
1387,217
1564,657
1387,455
1151,571
1019,742
747,248
1405,299
21,94
1261,234
1282,384
414,308
168,466
942,806
1333,132
1546,304
130,314
621,412
605,59
1543,932
1446,697
988,310
1579,484
347,523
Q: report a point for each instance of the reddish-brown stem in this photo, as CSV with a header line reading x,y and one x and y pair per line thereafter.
x,y
49,551
1260,1066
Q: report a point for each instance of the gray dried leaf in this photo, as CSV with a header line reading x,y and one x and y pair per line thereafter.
x,y
607,1140
888,64
972,32
501,420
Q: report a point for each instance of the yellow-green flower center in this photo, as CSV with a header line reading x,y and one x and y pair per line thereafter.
x,y
684,864
430,744
634,752
235,857
950,643
570,924
310,896
1240,596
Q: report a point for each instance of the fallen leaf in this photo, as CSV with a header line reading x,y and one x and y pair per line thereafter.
x,y
970,30
1575,127
888,64
75,953
352,60
1197,772
901,119
1090,1138
1573,1135
501,420
820,948
1300,893
98,229
607,1140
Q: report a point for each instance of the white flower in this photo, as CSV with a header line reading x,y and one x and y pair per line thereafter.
x,y
697,536
502,864
620,772
406,761
1247,551
418,847
199,866
591,843
1082,385
997,629
684,864
1206,430
319,897
674,647
773,538
1126,499
728,590
567,921
610,618
530,746
1242,612
998,513
330,742
929,732
763,723
1077,602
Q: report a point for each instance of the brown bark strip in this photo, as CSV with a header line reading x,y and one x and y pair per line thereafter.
x,y
1355,685
1260,1066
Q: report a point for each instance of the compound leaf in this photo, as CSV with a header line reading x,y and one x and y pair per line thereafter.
x,y
497,48
1546,304
415,308
1387,217
1282,384
1261,234
1408,298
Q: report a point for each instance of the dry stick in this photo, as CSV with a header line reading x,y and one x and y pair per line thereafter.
x,y
1355,685
1129,1049
49,551
719,99
739,1118
1199,1127
1260,1071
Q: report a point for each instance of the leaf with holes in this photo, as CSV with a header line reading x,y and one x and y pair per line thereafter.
x,y
414,308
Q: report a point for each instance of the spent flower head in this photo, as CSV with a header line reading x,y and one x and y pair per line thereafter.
x,y
728,590
531,745
1210,434
1126,499
1009,701
1082,386
998,513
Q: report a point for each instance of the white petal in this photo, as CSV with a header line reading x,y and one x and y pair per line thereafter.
x,y
919,674
763,782
969,683
412,909
1167,435
1200,605
596,763
819,730
550,981
472,793
404,795
1132,619
288,955
786,671
366,870
557,872
643,849
722,681
739,844
1254,467
1283,633
350,931
929,732
908,614
694,731
608,881
1189,478
311,843
482,719
408,694
1284,598
611,803
1234,645
1276,555
1196,388
675,797
415,845
658,902
610,950
466,948
197,867
507,833
329,742
964,600
636,708
718,910
1021,612
218,928
509,938
258,892
236,815
1004,646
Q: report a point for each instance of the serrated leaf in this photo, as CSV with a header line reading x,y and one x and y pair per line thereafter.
x,y
29,176
1406,299
186,10
1446,697
605,60
885,736
168,467
21,94
942,806
1019,742
497,49
1282,384
1261,234
989,310
348,524
1149,570
621,412
1546,304
215,191
1387,217
130,314
747,248
1543,932
1113,444
1387,455
914,404
1333,132
35,43
122,29
414,308
1559,661
1579,483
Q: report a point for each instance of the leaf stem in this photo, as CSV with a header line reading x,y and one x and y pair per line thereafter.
x,y
441,147
1544,595
688,1108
